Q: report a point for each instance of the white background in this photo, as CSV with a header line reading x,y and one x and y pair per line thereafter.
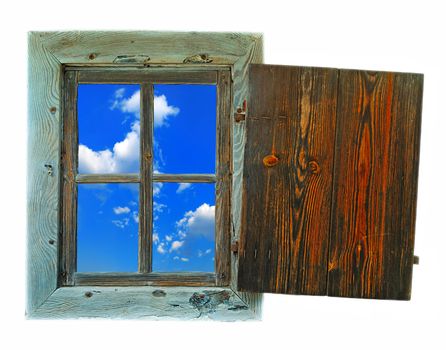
x,y
382,35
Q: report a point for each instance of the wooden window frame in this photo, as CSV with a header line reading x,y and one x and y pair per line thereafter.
x,y
50,55
146,79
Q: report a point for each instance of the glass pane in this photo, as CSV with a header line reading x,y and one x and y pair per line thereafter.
x,y
183,227
107,228
185,128
108,121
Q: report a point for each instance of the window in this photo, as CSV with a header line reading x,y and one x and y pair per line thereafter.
x,y
146,187
310,180
142,61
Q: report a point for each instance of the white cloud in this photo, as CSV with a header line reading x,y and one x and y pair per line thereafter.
x,y
160,249
162,110
206,252
176,245
135,217
155,238
158,207
183,186
124,157
200,222
157,186
121,210
182,259
168,238
121,223
129,105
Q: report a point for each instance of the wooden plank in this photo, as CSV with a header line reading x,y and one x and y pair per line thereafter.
x,y
165,76
145,279
109,47
223,185
146,189
286,208
107,178
69,160
375,186
153,303
158,67
205,178
44,106
254,54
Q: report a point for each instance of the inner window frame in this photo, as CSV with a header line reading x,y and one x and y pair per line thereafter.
x,y
146,78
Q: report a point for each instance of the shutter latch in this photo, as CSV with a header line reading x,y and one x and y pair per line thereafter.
x,y
416,260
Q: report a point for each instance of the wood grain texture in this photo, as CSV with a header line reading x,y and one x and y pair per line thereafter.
x,y
153,303
206,178
44,106
107,178
95,47
152,75
69,162
223,185
286,216
145,279
146,189
239,94
375,186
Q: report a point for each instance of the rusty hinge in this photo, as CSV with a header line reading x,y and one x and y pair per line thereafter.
x,y
240,114
234,247
416,260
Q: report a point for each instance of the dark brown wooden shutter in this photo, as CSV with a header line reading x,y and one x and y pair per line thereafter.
x,y
332,210
286,207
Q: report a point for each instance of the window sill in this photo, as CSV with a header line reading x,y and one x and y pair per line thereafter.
x,y
153,303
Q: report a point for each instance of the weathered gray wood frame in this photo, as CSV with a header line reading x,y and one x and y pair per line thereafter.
x,y
50,53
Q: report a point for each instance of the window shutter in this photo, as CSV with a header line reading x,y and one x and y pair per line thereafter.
x,y
286,207
330,179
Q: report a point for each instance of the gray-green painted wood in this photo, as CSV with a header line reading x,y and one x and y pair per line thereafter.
x,y
240,91
91,47
155,303
47,52
43,172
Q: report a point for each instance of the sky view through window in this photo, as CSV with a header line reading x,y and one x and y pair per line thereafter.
x,y
183,213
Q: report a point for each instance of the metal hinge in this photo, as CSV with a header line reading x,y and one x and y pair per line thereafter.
x,y
234,247
240,114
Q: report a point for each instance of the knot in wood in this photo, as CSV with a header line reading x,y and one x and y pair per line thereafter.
x,y
92,56
159,293
314,167
200,58
270,160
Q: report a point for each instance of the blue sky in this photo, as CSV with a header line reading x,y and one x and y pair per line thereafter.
x,y
184,142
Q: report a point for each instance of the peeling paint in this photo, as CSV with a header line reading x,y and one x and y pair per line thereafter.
x,y
201,58
207,301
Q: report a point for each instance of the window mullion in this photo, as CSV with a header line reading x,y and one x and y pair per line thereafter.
x,y
145,193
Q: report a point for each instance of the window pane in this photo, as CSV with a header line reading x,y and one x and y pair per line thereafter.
x,y
183,227
185,128
107,228
108,120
